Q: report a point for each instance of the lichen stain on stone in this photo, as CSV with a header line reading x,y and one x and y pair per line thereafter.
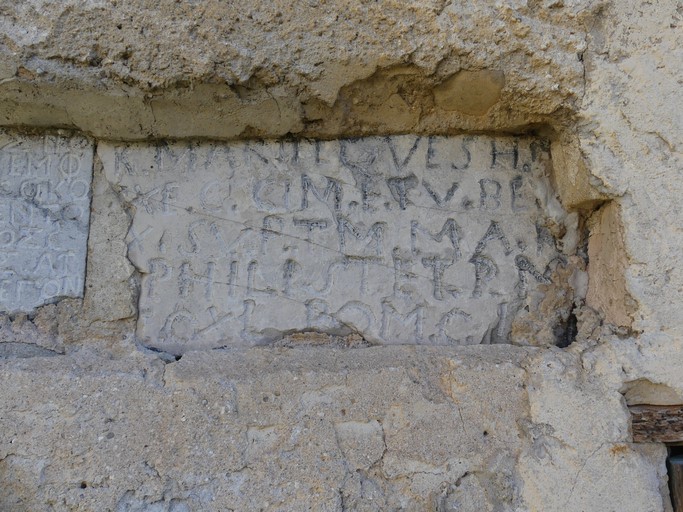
x,y
470,92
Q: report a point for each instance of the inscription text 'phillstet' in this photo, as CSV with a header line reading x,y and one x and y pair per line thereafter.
x,y
405,239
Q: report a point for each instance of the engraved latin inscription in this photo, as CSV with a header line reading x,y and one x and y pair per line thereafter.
x,y
44,214
431,240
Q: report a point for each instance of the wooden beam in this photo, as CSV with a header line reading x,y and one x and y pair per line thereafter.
x,y
675,468
657,423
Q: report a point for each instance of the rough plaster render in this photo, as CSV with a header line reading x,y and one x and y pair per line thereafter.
x,y
298,187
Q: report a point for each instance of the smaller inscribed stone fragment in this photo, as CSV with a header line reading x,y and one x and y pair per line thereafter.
x,y
44,214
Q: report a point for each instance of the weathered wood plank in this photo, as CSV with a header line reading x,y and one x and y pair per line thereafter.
x,y
657,423
675,464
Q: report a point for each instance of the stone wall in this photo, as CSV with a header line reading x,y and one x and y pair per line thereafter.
x,y
455,261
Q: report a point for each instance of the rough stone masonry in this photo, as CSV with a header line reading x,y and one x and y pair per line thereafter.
x,y
338,255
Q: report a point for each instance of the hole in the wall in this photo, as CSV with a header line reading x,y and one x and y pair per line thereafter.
x,y
566,331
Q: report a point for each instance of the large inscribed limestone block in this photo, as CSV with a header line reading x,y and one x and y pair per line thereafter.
x,y
404,239
44,214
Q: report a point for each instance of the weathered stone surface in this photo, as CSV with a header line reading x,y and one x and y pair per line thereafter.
x,y
44,214
111,291
437,240
633,146
269,69
382,428
607,291
470,92
578,429
600,79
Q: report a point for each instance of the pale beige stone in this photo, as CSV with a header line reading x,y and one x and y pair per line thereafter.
x,y
319,430
572,181
362,443
601,79
470,92
642,391
146,70
608,261
110,294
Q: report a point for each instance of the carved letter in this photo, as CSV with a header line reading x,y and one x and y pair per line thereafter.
x,y
333,186
401,164
489,199
187,279
414,318
450,229
310,225
493,233
439,266
164,153
434,195
496,153
399,188
485,270
375,233
525,266
159,271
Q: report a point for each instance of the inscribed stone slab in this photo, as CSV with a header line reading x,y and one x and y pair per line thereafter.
x,y
402,239
44,214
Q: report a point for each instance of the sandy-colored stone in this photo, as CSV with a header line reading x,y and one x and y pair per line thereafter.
x,y
470,92
573,182
478,428
111,292
642,391
631,139
211,431
594,455
148,63
607,288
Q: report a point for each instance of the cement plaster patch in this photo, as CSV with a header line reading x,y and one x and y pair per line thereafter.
x,y
44,214
403,239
